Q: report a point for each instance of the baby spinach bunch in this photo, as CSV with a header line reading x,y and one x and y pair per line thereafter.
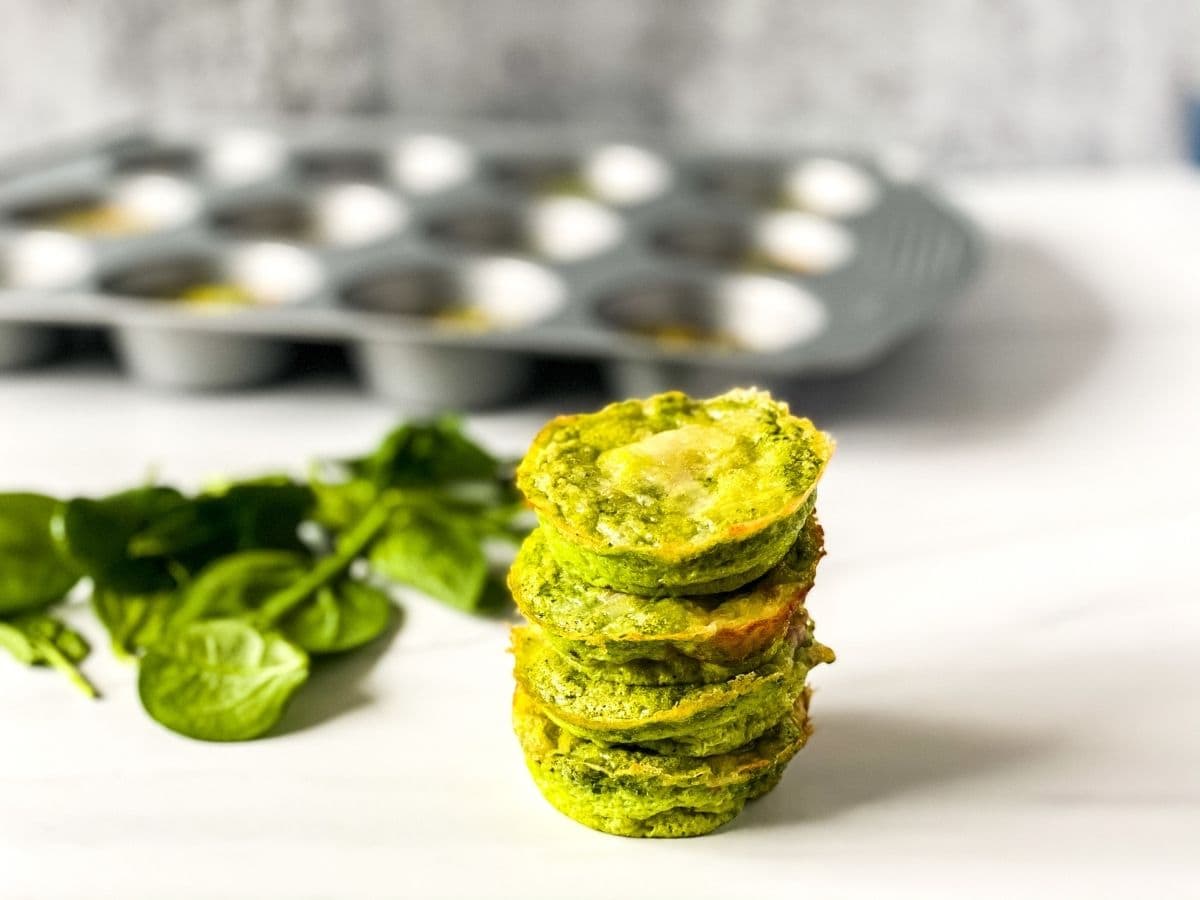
x,y
448,500
217,597
238,637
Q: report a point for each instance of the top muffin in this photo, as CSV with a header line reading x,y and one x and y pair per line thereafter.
x,y
673,495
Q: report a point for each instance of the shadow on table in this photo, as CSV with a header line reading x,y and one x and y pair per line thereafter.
x,y
1027,332
335,683
857,759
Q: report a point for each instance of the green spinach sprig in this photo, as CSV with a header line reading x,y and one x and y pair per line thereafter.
x,y
449,499
221,598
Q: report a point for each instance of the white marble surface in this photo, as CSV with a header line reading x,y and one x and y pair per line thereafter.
x,y
1012,588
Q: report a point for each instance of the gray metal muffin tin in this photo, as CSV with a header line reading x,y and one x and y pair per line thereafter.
x,y
449,258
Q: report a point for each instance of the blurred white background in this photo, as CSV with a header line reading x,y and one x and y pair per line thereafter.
x,y
968,82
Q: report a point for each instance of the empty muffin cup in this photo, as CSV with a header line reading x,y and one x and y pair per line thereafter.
x,y
38,261
802,242
425,164
135,205
561,228
87,214
746,181
729,322
442,300
343,164
57,209
831,187
704,238
45,260
626,175
344,215
554,174
280,218
182,356
352,215
244,156
156,159
478,227
570,229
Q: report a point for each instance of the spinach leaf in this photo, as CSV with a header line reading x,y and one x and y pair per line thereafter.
x,y
220,680
133,621
239,584
151,539
316,606
341,503
229,679
97,535
33,573
440,555
350,546
252,514
266,512
420,454
451,496
36,639
339,617
432,459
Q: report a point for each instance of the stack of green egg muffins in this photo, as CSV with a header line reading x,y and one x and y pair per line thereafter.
x,y
661,674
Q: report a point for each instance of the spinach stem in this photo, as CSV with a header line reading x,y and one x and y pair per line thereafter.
x,y
58,660
348,549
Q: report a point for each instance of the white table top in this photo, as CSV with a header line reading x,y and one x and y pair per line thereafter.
x,y
1012,589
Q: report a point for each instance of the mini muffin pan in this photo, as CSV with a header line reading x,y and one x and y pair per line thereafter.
x,y
448,259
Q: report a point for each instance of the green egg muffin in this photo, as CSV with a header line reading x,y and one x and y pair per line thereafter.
x,y
638,794
685,719
666,640
675,496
